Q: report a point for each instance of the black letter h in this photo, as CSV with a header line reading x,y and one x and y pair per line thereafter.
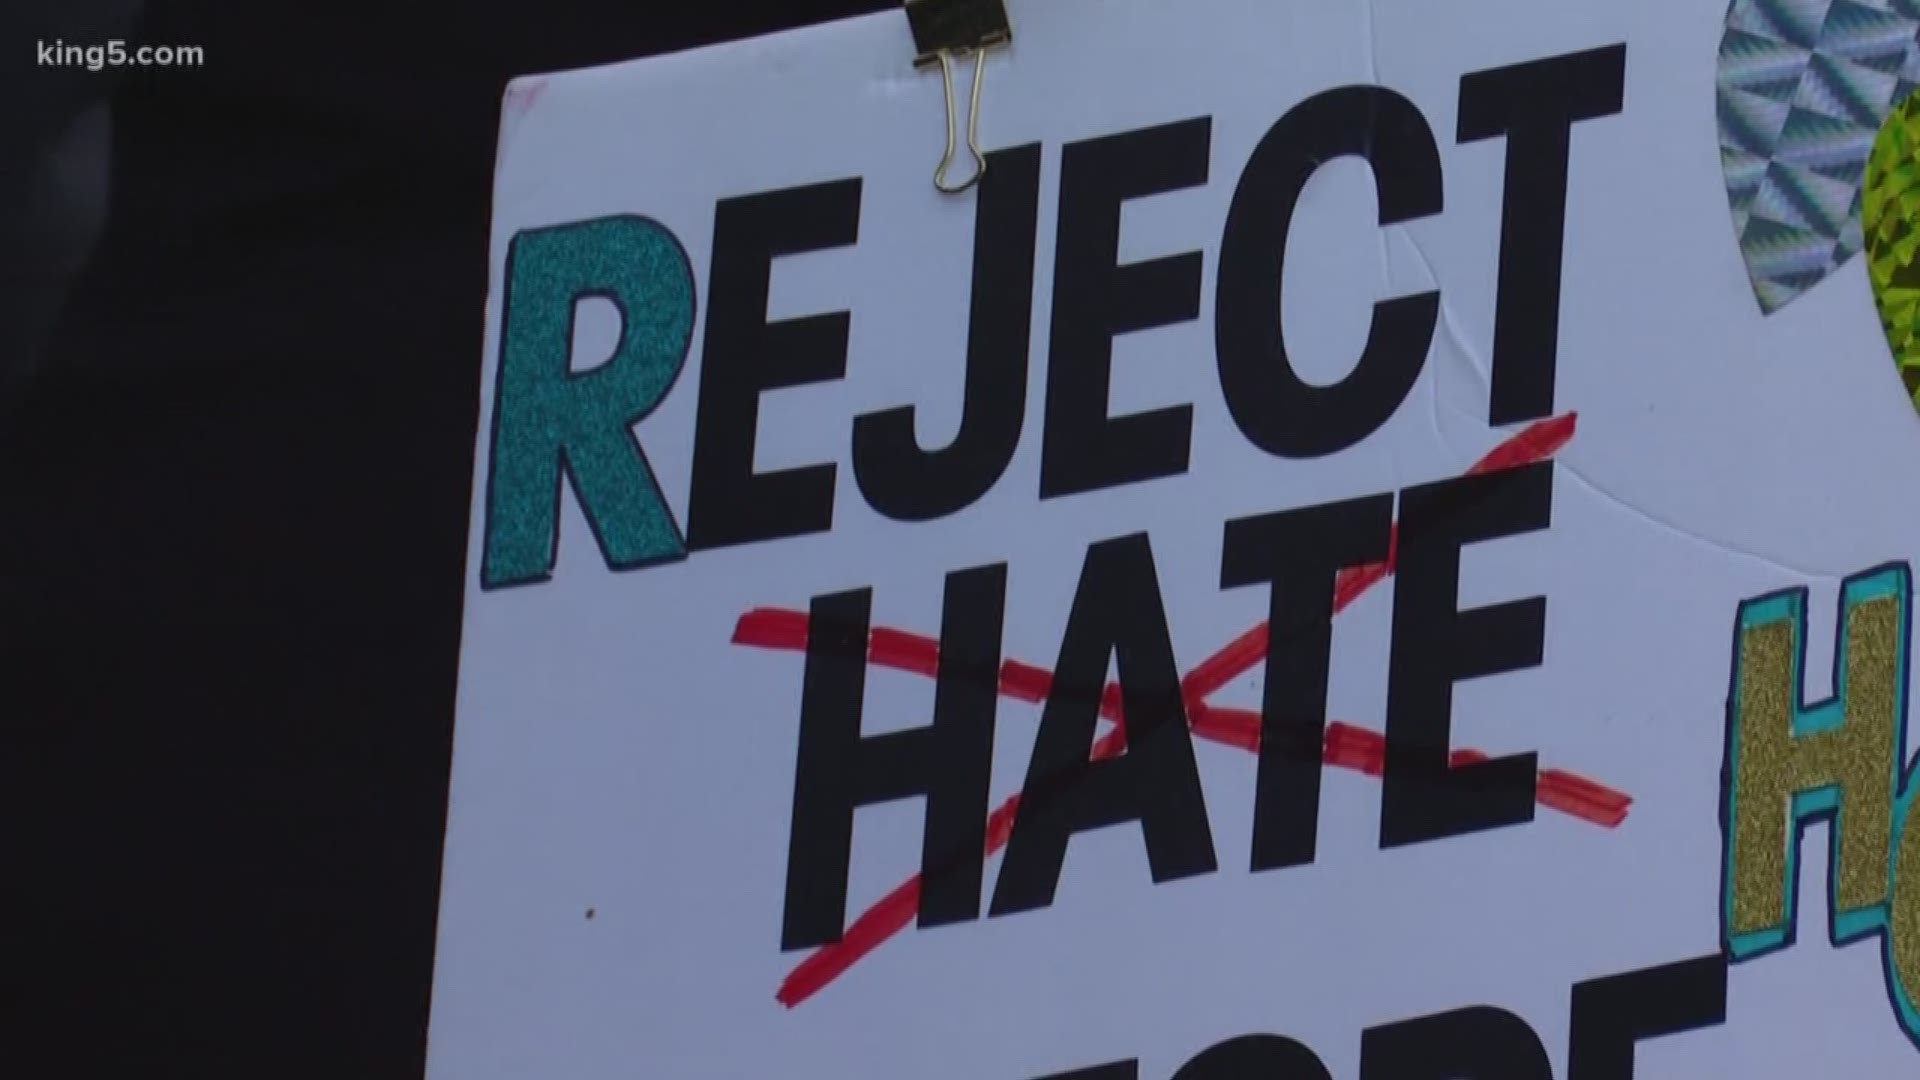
x,y
949,761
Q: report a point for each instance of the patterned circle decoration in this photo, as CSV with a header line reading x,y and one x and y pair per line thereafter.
x,y
1891,212
1803,86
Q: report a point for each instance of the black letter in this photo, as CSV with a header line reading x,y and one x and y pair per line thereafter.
x,y
949,762
746,356
907,483
1119,1070
1084,449
1116,615
1255,1057
1611,1014
1435,645
1300,552
1535,106
1274,408
1481,1043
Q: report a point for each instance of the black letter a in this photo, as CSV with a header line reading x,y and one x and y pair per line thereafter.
x,y
1116,615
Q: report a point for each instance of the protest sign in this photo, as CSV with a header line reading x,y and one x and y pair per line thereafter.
x,y
1371,544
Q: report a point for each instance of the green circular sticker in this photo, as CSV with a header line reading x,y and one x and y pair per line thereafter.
x,y
1891,214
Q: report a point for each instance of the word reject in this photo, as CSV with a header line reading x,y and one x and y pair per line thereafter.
x,y
552,424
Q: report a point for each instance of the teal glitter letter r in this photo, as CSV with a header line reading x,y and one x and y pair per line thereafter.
x,y
550,421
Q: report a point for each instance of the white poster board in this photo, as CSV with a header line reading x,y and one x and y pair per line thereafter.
x,y
1537,798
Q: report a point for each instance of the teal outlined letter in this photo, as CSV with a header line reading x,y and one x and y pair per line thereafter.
x,y
1789,765
550,421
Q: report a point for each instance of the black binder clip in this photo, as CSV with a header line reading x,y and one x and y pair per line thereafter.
x,y
946,30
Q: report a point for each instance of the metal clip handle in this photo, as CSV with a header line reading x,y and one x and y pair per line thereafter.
x,y
945,30
973,126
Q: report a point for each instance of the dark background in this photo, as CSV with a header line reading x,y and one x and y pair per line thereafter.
x,y
242,329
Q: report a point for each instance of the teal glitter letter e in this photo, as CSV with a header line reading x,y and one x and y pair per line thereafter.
x,y
549,421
